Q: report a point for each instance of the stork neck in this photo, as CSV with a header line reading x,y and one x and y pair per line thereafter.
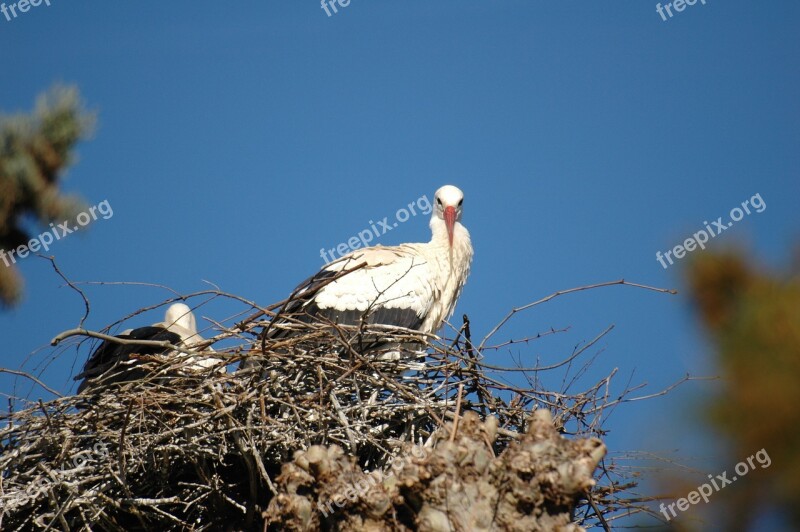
x,y
182,316
440,240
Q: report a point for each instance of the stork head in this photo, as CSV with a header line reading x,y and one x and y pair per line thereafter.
x,y
448,206
180,314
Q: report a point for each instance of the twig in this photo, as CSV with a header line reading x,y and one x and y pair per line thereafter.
x,y
71,285
458,410
31,377
569,291
125,341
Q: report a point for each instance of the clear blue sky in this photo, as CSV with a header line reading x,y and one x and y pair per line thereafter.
x,y
237,139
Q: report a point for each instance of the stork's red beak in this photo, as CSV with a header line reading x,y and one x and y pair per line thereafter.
x,y
450,221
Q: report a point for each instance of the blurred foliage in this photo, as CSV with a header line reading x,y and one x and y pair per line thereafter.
x,y
752,317
35,150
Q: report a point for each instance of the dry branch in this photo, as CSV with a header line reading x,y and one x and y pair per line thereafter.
x,y
311,413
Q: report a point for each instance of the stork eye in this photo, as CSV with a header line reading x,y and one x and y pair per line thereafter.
x,y
460,202
439,201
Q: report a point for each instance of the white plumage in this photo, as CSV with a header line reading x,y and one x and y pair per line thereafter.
x,y
180,319
411,285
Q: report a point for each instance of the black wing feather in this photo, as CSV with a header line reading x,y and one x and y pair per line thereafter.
x,y
115,359
301,307
398,317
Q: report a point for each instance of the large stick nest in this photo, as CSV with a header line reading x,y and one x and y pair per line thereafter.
x,y
205,451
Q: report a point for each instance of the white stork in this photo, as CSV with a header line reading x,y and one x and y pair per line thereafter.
x,y
415,286
114,362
